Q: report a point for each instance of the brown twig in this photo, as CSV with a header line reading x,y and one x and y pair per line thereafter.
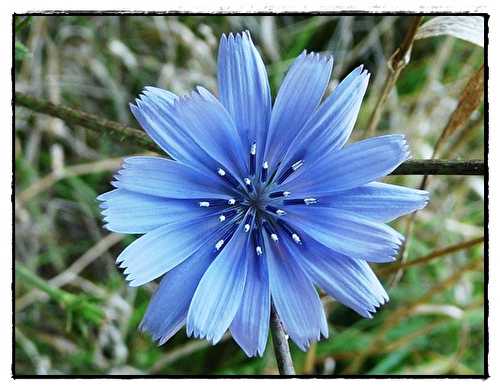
x,y
397,62
48,181
84,119
470,99
407,309
431,256
440,167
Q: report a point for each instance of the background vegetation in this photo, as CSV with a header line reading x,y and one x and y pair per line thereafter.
x,y
74,313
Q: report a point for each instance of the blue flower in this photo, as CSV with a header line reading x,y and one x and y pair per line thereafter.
x,y
259,204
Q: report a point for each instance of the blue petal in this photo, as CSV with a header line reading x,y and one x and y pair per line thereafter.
x,y
218,296
166,96
168,308
329,128
354,165
298,97
250,326
294,297
135,213
160,250
244,88
155,113
345,232
378,201
350,281
167,178
210,125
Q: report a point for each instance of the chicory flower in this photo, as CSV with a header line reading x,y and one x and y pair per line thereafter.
x,y
260,203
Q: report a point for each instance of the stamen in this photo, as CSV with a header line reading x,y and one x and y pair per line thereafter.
x,y
289,230
226,237
248,184
275,210
213,203
270,230
295,166
279,194
257,240
247,220
306,201
253,151
227,215
309,201
264,171
228,177
231,202
219,244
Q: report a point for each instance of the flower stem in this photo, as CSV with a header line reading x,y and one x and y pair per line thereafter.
x,y
280,343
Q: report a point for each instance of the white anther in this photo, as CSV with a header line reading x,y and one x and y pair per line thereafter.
x,y
286,193
296,238
309,201
222,218
221,172
219,244
231,201
258,249
247,227
280,212
265,165
204,204
253,149
297,165
274,237
247,181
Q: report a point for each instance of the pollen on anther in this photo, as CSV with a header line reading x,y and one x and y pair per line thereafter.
x,y
247,228
219,244
221,172
297,164
274,237
296,238
309,201
231,202
258,250
222,218
204,204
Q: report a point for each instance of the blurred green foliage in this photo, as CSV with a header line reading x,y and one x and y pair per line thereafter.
x,y
86,322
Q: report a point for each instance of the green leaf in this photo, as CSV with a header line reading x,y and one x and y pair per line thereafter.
x,y
23,23
21,51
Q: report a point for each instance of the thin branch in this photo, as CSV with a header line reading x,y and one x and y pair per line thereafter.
x,y
440,167
397,62
72,272
84,119
48,181
125,133
431,256
280,343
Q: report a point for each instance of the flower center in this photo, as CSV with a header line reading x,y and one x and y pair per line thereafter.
x,y
258,207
